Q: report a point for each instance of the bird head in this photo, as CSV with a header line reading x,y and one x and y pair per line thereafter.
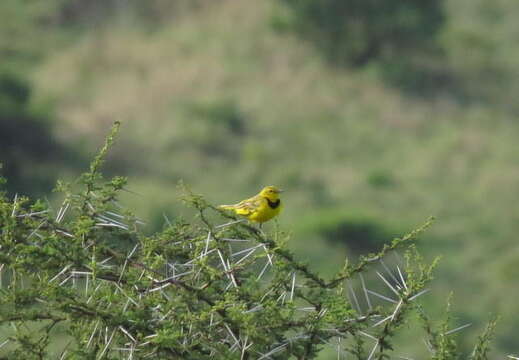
x,y
271,192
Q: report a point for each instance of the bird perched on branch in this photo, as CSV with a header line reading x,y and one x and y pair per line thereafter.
x,y
259,208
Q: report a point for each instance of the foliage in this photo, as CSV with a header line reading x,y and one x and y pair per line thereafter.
x,y
27,144
33,29
153,12
195,290
209,127
358,232
477,40
28,32
358,31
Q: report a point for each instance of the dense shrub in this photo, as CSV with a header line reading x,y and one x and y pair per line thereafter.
x,y
210,125
358,31
26,141
357,231
196,290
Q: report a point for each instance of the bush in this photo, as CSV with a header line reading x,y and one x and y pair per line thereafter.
x,y
25,137
209,126
355,230
380,179
195,290
356,32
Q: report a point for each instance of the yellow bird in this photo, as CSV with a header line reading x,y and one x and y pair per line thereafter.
x,y
259,208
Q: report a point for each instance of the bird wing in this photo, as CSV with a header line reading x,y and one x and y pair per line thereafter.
x,y
248,206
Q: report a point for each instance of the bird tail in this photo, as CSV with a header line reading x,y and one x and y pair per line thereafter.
x,y
226,207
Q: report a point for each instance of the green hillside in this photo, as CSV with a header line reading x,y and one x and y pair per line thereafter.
x,y
222,98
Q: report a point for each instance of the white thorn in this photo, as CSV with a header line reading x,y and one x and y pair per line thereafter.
x,y
418,294
373,351
127,334
401,277
93,333
263,271
207,242
382,296
293,285
14,204
390,273
458,329
365,291
368,335
354,297
382,321
388,284
229,223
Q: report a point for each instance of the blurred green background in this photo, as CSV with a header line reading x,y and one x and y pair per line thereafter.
x,y
372,115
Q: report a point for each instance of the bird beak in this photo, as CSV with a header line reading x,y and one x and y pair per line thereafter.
x,y
280,190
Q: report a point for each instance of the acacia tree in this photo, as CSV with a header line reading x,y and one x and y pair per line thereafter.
x,y
214,287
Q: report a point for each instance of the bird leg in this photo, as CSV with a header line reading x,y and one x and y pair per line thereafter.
x,y
260,228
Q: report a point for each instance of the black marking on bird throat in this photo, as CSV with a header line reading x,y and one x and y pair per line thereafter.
x,y
273,204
